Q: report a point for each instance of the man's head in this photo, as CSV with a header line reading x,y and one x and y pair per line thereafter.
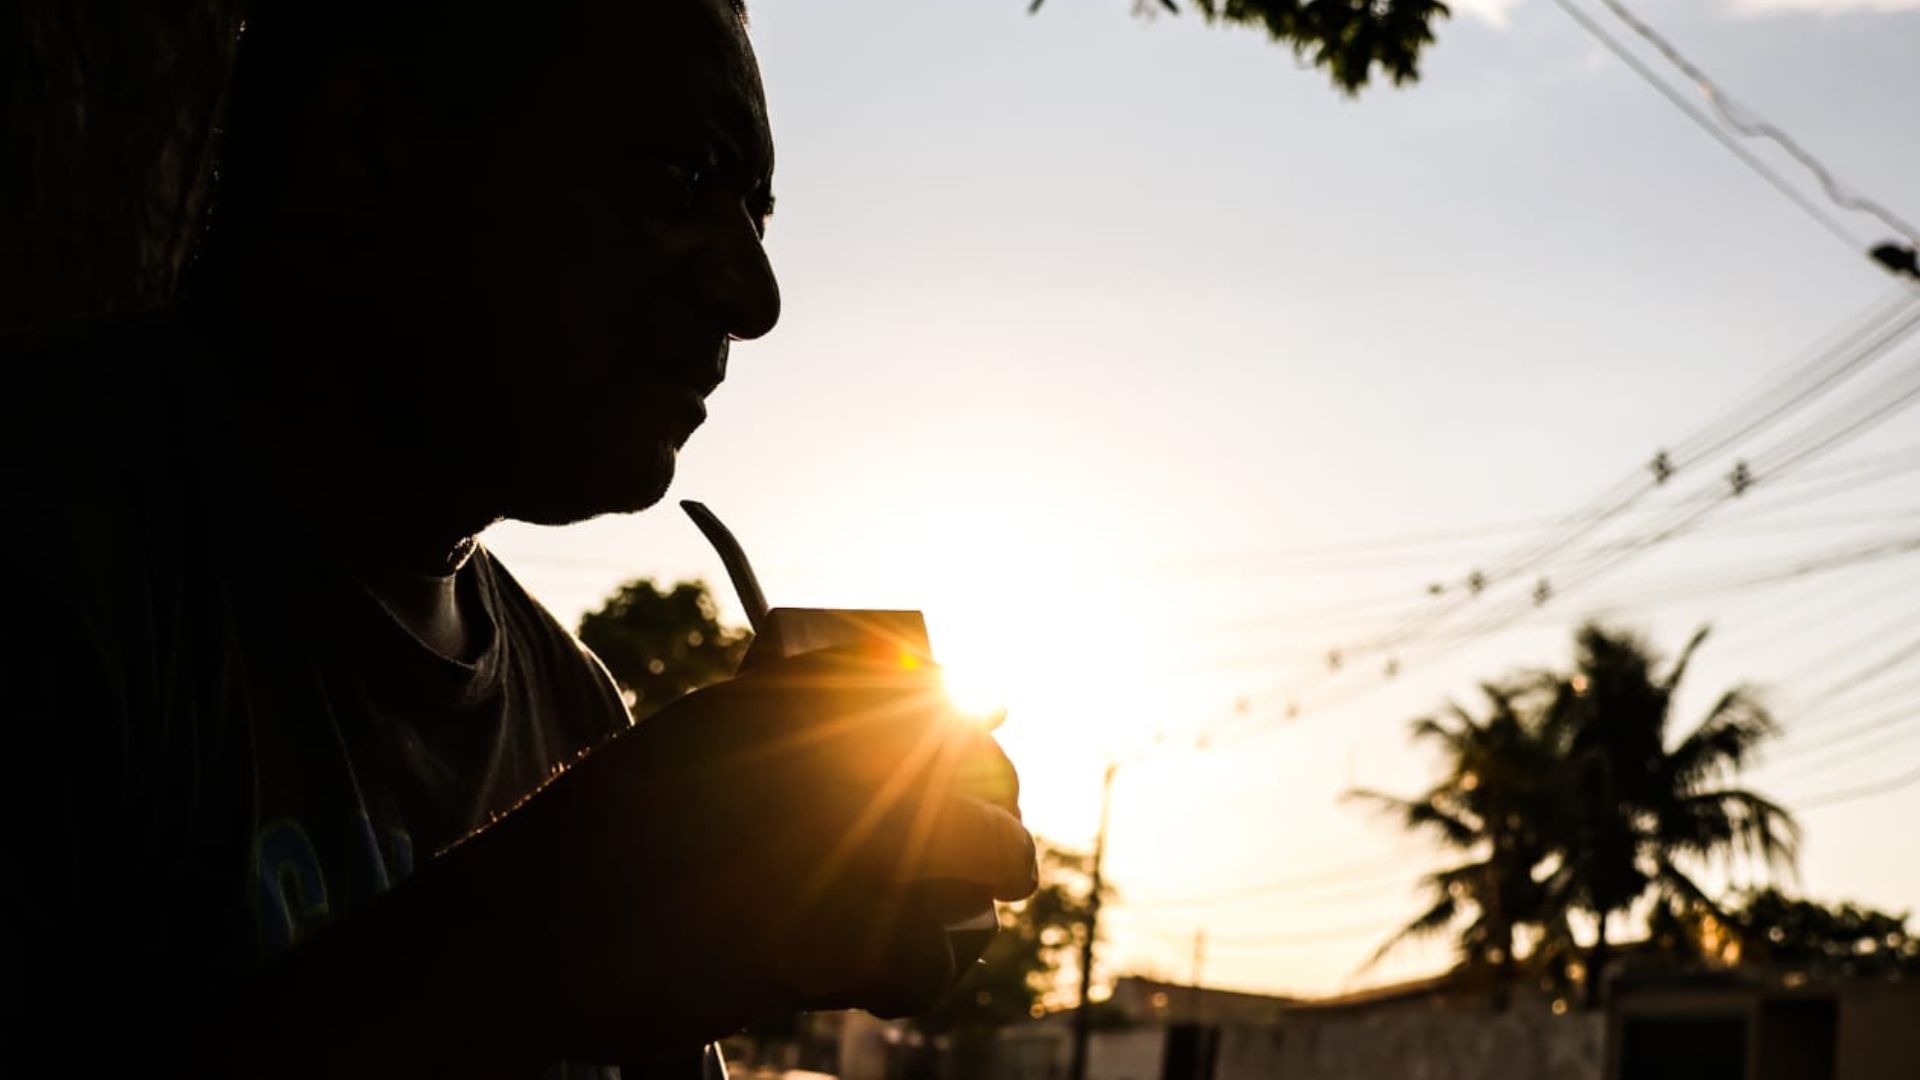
x,y
522,247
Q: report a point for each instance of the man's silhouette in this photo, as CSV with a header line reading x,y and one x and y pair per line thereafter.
x,y
300,781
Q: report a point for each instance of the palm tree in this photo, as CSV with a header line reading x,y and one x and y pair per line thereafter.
x,y
1489,808
1638,816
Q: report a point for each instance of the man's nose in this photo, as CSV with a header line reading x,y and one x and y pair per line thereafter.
x,y
744,289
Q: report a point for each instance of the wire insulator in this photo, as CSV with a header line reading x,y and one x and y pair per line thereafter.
x,y
1897,258
1741,478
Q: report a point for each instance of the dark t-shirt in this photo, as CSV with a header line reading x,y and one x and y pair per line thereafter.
x,y
217,740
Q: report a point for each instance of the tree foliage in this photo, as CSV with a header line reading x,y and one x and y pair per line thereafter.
x,y
1767,928
662,644
1492,809
1639,813
1348,39
1572,796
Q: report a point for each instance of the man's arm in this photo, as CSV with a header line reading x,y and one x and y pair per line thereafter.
x,y
739,853
455,972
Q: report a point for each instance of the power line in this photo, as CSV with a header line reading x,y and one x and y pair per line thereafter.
x,y
1809,609
1851,648
1366,875
1817,438
1861,676
1906,711
1798,448
1864,791
1756,128
1850,475
1707,124
1801,568
1882,331
1902,690
1690,586
1307,937
1345,612
1852,755
1520,607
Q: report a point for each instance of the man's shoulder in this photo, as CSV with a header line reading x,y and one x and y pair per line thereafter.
x,y
554,655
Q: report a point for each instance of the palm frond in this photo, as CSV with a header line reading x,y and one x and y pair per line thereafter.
x,y
1723,821
1679,669
1677,883
1434,920
1418,814
1465,873
1436,729
1725,741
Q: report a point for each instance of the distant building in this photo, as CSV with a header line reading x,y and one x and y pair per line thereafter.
x,y
1147,1001
1736,1025
1744,1026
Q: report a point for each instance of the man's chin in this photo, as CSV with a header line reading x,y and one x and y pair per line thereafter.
x,y
590,489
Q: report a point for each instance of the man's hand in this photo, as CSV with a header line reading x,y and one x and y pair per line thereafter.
x,y
767,844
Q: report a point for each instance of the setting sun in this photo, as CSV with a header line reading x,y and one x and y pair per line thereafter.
x,y
977,694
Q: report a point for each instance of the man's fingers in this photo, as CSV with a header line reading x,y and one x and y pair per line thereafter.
x,y
875,949
961,838
986,772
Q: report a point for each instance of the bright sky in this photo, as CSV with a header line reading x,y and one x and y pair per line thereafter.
x,y
1094,323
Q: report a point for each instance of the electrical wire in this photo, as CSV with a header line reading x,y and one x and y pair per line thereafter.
x,y
1726,107
1851,648
1816,719
1787,619
1892,723
1306,937
1881,331
1707,124
1864,791
1874,553
1891,397
1349,612
1855,679
1365,876
1850,475
1794,450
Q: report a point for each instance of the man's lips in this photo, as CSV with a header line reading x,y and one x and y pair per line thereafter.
x,y
687,410
693,403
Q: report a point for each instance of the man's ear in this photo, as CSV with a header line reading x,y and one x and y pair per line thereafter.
x,y
341,178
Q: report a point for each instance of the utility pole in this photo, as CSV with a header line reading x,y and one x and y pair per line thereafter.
x,y
1083,1016
1195,1007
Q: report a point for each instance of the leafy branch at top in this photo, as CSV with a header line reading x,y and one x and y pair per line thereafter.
x,y
1346,38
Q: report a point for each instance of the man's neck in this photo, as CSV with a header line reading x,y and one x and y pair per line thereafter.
x,y
410,554
432,608
379,477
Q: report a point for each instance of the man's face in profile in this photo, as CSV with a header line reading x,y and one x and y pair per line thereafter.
x,y
596,242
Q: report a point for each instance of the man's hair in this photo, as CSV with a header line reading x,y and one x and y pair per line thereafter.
x,y
470,60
